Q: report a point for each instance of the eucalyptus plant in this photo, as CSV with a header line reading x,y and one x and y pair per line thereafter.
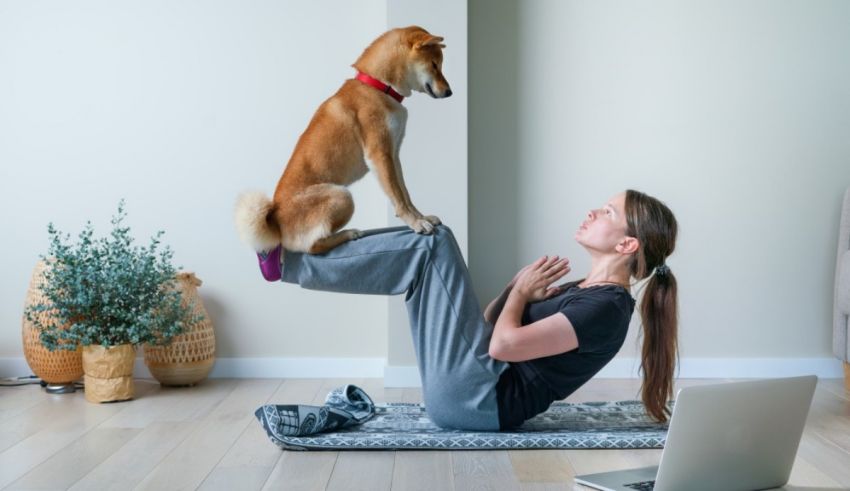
x,y
107,291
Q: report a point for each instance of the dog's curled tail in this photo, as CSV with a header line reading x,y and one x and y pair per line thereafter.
x,y
255,221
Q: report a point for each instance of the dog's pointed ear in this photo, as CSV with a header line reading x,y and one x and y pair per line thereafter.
x,y
430,41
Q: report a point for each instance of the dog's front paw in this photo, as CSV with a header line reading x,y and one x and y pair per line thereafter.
x,y
354,234
433,220
422,226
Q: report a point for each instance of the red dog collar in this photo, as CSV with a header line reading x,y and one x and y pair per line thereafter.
x,y
386,89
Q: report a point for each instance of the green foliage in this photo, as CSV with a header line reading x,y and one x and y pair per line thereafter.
x,y
108,292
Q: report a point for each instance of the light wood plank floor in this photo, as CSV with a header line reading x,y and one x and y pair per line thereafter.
x,y
207,438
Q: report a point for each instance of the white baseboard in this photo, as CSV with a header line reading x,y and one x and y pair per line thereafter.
x,y
408,376
734,368
251,368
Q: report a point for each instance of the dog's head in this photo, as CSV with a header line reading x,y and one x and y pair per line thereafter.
x,y
408,58
425,63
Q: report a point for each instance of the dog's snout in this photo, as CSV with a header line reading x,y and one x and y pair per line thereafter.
x,y
448,93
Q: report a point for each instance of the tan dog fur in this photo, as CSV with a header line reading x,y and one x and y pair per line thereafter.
x,y
357,129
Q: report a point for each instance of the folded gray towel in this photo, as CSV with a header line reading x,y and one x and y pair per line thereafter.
x,y
345,406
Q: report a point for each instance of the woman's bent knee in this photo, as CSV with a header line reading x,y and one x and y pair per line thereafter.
x,y
444,235
443,231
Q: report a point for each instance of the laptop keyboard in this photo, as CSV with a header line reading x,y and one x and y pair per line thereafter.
x,y
641,486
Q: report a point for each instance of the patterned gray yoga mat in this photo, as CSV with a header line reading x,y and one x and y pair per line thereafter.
x,y
400,426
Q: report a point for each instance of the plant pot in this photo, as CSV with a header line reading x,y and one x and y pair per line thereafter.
x,y
108,372
53,367
190,356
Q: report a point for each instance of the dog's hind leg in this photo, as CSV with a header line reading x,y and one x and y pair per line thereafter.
x,y
339,207
324,209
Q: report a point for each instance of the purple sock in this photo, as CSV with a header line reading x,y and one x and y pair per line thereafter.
x,y
270,264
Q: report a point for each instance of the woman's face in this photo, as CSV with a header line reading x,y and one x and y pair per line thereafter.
x,y
605,227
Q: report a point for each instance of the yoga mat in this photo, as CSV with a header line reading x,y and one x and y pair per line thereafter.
x,y
405,426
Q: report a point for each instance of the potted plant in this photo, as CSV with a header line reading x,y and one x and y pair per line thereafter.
x,y
108,297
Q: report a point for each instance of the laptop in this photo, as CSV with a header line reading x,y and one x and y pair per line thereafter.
x,y
732,436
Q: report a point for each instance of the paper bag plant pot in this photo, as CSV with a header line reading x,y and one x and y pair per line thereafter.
x,y
108,372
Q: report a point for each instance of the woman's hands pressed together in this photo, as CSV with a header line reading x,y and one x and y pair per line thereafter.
x,y
534,282
531,284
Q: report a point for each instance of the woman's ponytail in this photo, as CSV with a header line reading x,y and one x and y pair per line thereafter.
x,y
659,316
653,224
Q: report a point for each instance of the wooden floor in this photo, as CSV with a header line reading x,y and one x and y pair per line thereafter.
x,y
207,438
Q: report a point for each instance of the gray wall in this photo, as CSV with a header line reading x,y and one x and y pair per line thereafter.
x,y
736,114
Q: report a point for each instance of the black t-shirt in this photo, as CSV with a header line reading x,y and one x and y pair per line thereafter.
x,y
600,315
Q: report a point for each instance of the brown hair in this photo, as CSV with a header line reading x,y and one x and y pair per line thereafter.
x,y
653,224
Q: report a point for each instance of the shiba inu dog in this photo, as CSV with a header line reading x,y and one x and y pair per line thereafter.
x,y
359,128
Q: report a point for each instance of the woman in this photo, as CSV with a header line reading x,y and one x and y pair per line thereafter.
x,y
535,343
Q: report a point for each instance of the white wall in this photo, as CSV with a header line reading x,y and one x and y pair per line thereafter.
x,y
736,114
180,106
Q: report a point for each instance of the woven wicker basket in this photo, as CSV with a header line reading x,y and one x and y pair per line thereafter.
x,y
191,355
54,367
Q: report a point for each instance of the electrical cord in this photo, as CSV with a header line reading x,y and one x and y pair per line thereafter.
x,y
18,381
28,380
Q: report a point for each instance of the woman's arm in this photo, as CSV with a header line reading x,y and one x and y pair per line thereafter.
x,y
549,336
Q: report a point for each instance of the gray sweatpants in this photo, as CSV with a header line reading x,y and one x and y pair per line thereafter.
x,y
450,335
